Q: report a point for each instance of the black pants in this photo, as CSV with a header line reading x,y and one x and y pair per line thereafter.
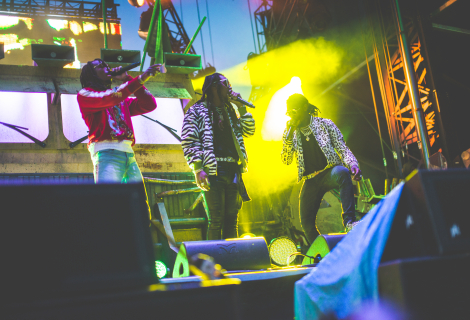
x,y
223,201
313,191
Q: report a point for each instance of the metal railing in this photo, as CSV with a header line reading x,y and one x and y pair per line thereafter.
x,y
79,9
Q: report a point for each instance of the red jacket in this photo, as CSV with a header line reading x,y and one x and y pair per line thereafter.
x,y
108,113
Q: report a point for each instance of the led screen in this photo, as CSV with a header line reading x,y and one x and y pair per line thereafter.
x,y
86,36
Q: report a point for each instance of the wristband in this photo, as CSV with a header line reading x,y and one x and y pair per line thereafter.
x,y
140,80
198,170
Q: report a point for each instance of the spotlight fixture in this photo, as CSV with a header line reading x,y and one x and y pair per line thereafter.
x,y
248,235
161,269
136,3
280,249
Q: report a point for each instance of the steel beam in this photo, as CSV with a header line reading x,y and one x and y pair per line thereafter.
x,y
413,89
41,79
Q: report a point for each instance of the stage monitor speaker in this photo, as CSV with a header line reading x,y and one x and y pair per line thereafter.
x,y
432,217
182,63
120,58
2,50
428,287
231,254
46,55
63,239
321,246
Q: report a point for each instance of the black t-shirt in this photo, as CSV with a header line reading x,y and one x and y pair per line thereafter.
x,y
224,146
314,158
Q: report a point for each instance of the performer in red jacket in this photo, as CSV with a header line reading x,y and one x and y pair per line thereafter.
x,y
107,113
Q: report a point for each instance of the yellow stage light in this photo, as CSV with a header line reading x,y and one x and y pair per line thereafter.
x,y
248,235
161,269
137,3
276,118
280,249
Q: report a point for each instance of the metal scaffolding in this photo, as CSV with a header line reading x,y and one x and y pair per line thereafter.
x,y
413,118
76,9
178,37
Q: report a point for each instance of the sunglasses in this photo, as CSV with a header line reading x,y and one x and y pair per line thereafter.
x,y
224,82
102,65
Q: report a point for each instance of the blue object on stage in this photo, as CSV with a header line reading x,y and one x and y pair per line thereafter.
x,y
347,276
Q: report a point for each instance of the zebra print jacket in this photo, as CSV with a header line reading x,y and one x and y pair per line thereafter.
x,y
197,137
330,140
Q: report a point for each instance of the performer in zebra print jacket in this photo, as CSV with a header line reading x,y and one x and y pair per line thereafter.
x,y
212,141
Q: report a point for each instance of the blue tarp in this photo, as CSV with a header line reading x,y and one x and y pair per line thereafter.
x,y
347,277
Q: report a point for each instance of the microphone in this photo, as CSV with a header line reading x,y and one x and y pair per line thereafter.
x,y
124,69
246,103
290,133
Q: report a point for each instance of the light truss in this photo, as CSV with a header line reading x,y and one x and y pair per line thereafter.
x,y
402,106
178,37
77,9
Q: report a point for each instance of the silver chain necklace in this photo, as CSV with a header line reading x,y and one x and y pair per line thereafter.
x,y
306,131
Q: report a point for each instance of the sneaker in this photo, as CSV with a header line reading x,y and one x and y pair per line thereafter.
x,y
351,225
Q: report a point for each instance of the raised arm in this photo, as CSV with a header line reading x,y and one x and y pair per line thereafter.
x,y
144,101
287,154
247,122
91,101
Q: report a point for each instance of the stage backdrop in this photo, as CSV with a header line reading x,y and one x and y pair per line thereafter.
x,y
86,36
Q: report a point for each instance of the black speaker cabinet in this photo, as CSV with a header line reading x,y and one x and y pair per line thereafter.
x,y
2,50
115,58
433,215
231,254
182,63
46,55
64,239
428,287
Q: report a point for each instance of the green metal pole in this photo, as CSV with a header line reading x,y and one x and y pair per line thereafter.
x,y
158,40
194,37
103,6
149,35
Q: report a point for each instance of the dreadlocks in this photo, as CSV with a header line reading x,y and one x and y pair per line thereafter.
x,y
89,79
214,79
298,99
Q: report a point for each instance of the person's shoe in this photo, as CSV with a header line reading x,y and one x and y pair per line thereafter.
x,y
351,225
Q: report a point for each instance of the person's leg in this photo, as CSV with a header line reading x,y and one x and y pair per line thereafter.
x,y
109,166
134,175
310,200
232,206
215,200
339,177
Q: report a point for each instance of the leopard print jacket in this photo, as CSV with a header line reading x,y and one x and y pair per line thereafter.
x,y
329,139
197,136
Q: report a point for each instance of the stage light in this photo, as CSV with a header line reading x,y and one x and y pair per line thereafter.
x,y
276,118
280,249
136,3
248,235
161,269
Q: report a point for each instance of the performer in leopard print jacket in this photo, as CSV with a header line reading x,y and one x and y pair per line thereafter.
x,y
324,162
212,141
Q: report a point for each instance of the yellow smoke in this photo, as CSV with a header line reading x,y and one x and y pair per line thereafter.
x,y
305,66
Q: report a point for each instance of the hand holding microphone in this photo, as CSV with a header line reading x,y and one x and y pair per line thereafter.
x,y
291,127
120,73
237,97
152,71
